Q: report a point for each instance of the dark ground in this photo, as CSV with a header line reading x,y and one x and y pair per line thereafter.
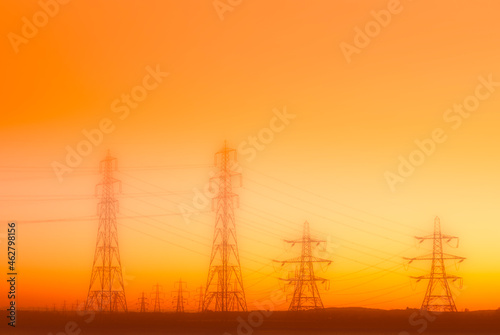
x,y
333,321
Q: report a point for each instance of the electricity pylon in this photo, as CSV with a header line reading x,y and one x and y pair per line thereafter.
x,y
200,297
179,299
106,289
225,268
157,298
143,303
305,291
438,296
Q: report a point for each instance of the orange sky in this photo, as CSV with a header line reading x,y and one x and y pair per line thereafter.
x,y
227,78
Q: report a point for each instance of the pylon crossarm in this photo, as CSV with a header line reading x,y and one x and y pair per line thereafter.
x,y
420,258
276,261
291,280
423,238
428,277
320,260
293,242
317,241
224,151
307,240
304,279
293,260
419,278
320,279
448,256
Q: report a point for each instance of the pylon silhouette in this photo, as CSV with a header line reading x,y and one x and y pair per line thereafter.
x,y
143,303
200,296
225,268
157,298
305,291
179,299
106,289
438,296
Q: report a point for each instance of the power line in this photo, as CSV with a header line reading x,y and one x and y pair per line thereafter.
x,y
334,201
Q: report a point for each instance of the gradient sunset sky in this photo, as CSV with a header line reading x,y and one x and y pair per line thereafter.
x,y
227,80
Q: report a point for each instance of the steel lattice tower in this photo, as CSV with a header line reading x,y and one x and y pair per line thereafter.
x,y
106,289
224,289
179,299
157,298
438,296
305,293
143,303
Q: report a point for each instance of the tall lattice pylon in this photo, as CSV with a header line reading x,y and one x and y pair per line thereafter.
x,y
143,303
305,294
438,296
158,300
106,289
179,299
224,289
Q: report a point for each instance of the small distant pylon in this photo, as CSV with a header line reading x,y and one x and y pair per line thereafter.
x,y
225,268
157,293
179,299
106,289
438,297
143,303
305,291
77,305
200,297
